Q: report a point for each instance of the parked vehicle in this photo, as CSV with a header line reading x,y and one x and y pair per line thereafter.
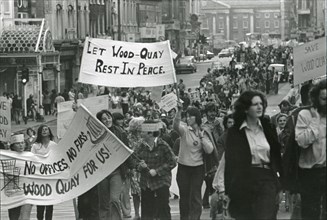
x,y
210,55
186,64
216,65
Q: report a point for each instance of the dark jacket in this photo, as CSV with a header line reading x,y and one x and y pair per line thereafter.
x,y
238,162
128,164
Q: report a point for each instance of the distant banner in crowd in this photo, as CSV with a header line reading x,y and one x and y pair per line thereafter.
x,y
126,64
87,154
66,112
5,119
310,60
168,102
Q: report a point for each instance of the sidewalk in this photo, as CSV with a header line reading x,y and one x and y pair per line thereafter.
x,y
33,124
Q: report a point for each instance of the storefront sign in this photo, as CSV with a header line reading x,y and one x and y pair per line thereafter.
x,y
148,32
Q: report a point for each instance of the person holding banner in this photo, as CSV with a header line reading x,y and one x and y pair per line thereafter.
x,y
156,160
43,145
194,143
110,188
21,212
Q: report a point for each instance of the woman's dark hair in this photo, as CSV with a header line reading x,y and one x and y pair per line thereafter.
x,y
193,111
123,94
117,116
314,92
30,129
226,119
211,106
39,134
104,111
243,103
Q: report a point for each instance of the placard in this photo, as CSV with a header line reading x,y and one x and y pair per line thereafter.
x,y
5,119
126,64
310,61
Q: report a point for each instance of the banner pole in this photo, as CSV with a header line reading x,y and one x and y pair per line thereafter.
x,y
75,209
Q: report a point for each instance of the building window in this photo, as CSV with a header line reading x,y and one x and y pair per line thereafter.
x,y
257,15
245,16
245,24
276,15
267,15
221,25
267,24
276,24
22,15
235,24
257,24
6,6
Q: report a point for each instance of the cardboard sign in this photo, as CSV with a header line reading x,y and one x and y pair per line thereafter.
x,y
126,64
310,61
5,119
66,112
151,127
168,102
86,155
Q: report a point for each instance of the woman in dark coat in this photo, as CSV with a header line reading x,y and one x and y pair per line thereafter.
x,y
253,161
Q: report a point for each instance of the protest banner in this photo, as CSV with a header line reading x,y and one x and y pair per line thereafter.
x,y
5,119
87,154
66,112
126,64
168,102
150,127
310,61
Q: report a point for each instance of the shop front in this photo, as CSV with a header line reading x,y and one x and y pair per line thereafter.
x,y
30,47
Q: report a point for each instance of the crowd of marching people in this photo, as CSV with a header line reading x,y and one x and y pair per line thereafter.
x,y
249,161
218,134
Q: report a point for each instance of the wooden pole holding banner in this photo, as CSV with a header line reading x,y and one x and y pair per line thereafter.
x,y
75,209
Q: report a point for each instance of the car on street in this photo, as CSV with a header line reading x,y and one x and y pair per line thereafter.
x,y
225,53
280,68
185,64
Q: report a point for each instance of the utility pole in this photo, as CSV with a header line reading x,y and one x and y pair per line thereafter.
x,y
119,21
77,21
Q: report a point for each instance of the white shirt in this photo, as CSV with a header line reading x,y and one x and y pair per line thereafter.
x,y
259,146
310,134
40,149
